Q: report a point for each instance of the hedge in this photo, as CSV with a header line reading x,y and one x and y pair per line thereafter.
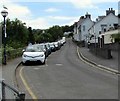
x,y
11,53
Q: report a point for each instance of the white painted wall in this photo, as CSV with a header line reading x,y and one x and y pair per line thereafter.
x,y
108,20
87,23
75,34
76,37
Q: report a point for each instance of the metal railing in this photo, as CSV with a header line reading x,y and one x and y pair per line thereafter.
x,y
19,96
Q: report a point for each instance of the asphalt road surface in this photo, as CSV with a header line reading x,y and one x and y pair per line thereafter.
x,y
65,76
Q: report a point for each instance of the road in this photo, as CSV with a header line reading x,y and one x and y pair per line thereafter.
x,y
65,76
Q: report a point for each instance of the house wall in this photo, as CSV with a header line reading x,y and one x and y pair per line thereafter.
x,y
84,28
75,30
76,37
109,21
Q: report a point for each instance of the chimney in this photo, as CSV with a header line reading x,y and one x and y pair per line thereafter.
x,y
97,20
82,17
88,15
110,11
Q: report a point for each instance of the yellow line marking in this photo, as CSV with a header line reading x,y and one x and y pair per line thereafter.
x,y
27,86
92,64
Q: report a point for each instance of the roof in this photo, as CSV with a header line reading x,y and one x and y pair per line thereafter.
x,y
102,17
75,23
80,22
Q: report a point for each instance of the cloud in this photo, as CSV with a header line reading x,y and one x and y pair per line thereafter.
x,y
82,3
104,1
51,10
98,1
90,3
39,23
71,22
45,22
61,17
64,19
40,0
15,10
23,12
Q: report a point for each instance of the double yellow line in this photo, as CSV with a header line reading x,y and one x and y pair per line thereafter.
x,y
34,97
106,69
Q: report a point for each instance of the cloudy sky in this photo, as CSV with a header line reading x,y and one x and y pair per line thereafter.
x,y
43,14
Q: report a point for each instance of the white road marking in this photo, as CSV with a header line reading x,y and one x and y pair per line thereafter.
x,y
58,64
43,66
36,68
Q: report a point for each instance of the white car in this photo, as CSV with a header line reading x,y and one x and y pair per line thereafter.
x,y
56,45
32,53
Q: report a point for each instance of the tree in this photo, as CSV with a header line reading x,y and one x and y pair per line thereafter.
x,y
67,28
116,37
56,32
31,38
17,33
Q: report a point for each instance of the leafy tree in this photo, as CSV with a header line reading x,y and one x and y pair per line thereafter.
x,y
116,37
67,28
17,33
70,35
56,32
31,38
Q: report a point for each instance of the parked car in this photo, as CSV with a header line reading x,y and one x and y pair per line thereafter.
x,y
57,46
44,49
32,53
48,48
53,49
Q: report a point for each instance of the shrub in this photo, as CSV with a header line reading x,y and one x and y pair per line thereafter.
x,y
11,53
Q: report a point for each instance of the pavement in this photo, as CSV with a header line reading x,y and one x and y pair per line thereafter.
x,y
8,74
92,58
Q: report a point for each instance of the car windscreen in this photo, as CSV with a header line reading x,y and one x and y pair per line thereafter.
x,y
42,47
33,49
51,45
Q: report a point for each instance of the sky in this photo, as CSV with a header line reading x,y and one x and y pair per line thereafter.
x,y
42,14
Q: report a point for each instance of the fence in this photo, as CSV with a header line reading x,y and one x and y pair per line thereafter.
x,y
19,96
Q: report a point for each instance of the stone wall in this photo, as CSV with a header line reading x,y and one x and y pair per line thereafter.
x,y
101,52
112,46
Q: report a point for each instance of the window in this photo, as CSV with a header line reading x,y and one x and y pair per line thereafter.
x,y
84,28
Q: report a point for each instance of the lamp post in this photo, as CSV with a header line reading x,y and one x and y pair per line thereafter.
x,y
4,13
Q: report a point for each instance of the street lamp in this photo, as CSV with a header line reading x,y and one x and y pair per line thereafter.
x,y
4,13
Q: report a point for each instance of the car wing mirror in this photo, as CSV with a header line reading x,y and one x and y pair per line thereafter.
x,y
23,50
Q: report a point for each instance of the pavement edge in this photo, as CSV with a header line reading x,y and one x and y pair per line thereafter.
x,y
15,77
95,64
